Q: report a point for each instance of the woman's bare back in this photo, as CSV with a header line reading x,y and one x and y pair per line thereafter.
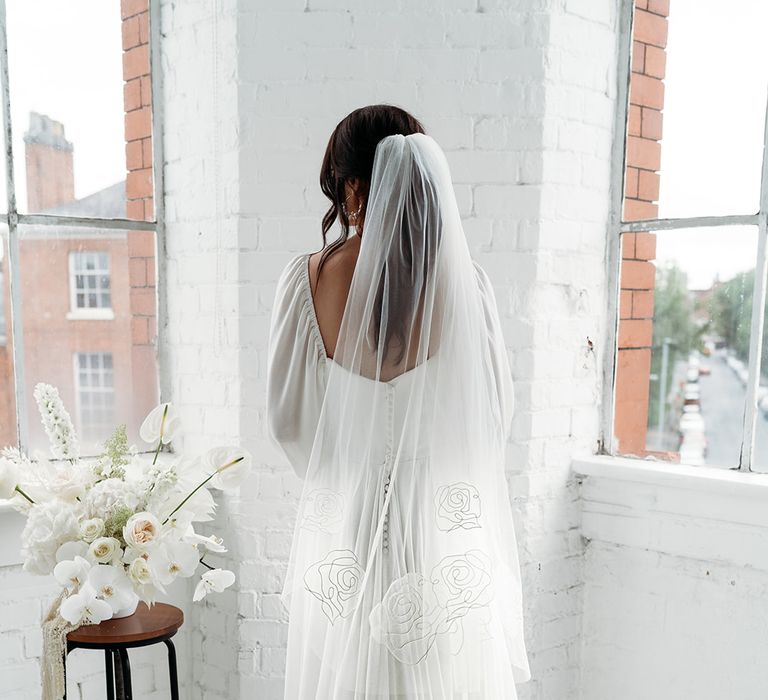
x,y
330,291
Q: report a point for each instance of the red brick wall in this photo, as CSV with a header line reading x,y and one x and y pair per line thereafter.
x,y
646,101
139,190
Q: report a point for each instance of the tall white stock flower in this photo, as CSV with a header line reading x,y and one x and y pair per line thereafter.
x,y
160,424
230,466
215,580
57,423
111,585
105,550
49,525
84,607
72,573
142,531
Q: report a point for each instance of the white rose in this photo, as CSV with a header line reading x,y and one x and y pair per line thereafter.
x,y
8,478
91,529
141,531
105,550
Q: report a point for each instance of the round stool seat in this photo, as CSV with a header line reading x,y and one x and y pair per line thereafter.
x,y
145,626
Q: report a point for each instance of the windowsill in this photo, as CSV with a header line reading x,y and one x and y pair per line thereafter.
x,y
91,315
696,512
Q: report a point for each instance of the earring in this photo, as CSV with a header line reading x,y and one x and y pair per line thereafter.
x,y
353,215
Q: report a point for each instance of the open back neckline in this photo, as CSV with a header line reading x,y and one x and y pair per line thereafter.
x,y
315,327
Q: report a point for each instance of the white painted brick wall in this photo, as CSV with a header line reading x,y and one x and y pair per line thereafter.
x,y
520,95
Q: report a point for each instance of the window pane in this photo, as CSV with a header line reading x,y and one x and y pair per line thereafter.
x,y
696,110
80,108
7,394
104,367
685,316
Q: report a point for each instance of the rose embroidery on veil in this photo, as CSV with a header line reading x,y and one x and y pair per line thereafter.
x,y
323,511
335,582
457,506
414,611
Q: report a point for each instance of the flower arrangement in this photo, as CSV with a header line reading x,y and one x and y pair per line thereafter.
x,y
116,529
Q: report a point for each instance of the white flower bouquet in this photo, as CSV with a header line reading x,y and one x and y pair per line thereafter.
x,y
118,528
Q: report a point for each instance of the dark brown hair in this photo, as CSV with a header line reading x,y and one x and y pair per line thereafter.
x,y
350,153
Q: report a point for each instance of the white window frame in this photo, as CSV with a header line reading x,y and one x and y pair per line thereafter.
x,y
616,226
103,226
80,389
89,312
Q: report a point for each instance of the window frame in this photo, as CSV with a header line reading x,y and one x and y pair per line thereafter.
x,y
617,226
15,219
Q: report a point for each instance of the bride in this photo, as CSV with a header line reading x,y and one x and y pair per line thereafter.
x,y
389,392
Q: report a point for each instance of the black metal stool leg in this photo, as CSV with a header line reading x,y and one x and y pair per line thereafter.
x,y
126,669
109,673
172,669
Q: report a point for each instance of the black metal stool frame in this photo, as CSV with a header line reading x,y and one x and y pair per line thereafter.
x,y
119,679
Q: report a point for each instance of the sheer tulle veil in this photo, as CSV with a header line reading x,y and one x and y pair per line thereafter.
x,y
427,576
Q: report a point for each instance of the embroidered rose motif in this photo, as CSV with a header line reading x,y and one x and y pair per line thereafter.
x,y
335,582
457,506
408,619
462,582
323,511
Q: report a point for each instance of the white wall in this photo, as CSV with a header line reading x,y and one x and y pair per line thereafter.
x,y
519,94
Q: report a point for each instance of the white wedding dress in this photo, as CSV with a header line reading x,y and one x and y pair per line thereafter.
x,y
403,580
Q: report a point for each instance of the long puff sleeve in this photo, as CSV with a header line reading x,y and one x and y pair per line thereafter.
x,y
499,357
295,367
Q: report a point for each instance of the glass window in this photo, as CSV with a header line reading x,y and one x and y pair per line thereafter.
x,y
89,280
95,397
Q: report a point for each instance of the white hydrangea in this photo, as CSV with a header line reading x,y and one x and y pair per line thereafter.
x,y
57,423
49,525
107,495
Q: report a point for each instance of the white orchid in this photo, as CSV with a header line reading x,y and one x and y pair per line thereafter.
x,y
84,607
71,549
215,580
72,573
211,543
162,423
230,466
174,559
112,585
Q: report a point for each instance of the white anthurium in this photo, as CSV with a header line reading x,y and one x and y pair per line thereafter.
x,y
215,580
142,531
72,573
230,466
211,543
160,424
105,550
111,585
71,550
179,523
9,479
84,607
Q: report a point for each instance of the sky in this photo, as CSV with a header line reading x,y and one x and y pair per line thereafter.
x,y
716,87
69,66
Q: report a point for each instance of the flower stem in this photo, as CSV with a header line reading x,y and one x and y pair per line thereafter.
x,y
210,568
19,489
201,484
160,442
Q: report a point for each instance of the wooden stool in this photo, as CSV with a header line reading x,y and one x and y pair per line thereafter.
x,y
146,626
